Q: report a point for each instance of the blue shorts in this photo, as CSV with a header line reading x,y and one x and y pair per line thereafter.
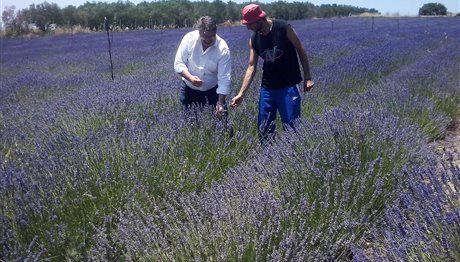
x,y
284,100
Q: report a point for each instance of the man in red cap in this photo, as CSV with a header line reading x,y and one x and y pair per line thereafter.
x,y
278,45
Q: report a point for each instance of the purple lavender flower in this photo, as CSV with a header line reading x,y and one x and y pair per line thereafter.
x,y
92,169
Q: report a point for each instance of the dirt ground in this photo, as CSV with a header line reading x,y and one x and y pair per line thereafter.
x,y
449,147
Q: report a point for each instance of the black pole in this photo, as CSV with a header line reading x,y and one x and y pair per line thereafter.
x,y
107,28
372,24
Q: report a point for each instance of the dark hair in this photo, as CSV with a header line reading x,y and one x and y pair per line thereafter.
x,y
206,23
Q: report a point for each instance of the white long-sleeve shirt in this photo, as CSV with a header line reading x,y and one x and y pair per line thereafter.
x,y
213,65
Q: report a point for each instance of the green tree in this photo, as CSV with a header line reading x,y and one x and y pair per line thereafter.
x,y
233,11
218,11
144,10
9,18
121,13
14,23
87,14
201,8
69,14
300,10
433,9
44,14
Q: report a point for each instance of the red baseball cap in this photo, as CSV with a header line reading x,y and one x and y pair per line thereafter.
x,y
251,14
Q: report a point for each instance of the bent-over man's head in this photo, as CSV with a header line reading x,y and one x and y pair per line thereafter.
x,y
206,23
207,27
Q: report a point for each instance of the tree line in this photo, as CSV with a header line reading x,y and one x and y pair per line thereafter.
x,y
163,13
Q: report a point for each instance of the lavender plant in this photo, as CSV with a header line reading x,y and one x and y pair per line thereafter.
x,y
92,169
309,195
423,223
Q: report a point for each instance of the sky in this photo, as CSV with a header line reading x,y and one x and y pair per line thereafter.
x,y
390,7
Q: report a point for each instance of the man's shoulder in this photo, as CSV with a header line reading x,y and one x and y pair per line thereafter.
x,y
221,43
280,23
192,35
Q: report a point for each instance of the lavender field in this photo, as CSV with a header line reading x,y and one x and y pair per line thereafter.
x,y
95,169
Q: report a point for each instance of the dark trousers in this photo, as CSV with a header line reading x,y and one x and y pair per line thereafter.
x,y
191,97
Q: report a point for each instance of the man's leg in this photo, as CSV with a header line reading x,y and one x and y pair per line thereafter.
x,y
289,101
212,97
190,97
267,113
185,96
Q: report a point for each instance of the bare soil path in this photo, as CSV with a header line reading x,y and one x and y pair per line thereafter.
x,y
449,147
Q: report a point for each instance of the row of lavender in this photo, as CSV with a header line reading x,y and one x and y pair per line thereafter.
x,y
98,169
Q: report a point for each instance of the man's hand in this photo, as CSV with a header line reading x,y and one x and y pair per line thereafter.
x,y
196,81
221,110
308,85
236,101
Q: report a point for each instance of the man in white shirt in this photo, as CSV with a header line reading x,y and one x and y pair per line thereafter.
x,y
203,61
